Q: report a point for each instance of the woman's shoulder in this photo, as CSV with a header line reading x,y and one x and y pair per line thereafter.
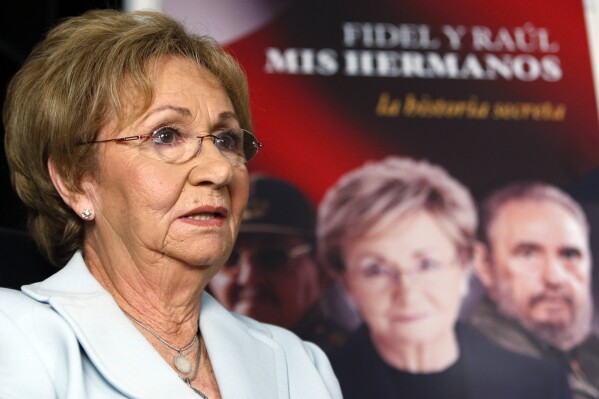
x,y
214,314
304,362
34,341
286,338
16,305
22,317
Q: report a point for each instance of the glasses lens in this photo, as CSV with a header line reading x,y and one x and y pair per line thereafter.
x,y
250,145
168,143
175,147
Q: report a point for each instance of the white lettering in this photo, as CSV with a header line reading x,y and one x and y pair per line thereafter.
x,y
501,66
454,34
526,67
386,35
471,68
305,61
526,39
552,68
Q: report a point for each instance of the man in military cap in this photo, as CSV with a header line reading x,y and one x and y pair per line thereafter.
x,y
272,274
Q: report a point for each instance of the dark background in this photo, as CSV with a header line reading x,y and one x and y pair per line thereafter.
x,y
23,24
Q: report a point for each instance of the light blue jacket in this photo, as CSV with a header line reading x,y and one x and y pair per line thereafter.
x,y
65,337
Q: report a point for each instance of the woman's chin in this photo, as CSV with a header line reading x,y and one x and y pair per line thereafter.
x,y
415,331
198,260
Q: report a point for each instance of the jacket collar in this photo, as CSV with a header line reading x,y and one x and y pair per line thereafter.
x,y
243,356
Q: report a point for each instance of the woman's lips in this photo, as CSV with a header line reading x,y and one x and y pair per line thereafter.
x,y
206,216
408,318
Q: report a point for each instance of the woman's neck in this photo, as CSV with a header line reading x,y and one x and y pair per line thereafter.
x,y
419,357
164,295
163,298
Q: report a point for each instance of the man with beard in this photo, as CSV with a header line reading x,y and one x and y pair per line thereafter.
x,y
272,274
536,269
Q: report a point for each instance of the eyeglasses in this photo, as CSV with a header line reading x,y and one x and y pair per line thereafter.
x,y
380,276
170,145
270,260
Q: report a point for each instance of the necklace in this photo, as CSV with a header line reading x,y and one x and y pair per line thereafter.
x,y
182,363
188,380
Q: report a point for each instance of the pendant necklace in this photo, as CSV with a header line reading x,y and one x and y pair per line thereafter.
x,y
182,363
188,380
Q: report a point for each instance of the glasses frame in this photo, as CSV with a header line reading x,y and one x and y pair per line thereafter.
x,y
252,141
394,276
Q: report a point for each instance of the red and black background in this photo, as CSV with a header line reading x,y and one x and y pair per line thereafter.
x,y
318,122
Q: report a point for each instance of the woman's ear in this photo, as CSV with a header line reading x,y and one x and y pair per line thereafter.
x,y
77,201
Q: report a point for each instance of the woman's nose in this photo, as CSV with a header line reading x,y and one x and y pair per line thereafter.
x,y
211,167
403,288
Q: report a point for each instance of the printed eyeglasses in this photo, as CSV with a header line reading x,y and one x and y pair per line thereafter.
x,y
170,145
379,275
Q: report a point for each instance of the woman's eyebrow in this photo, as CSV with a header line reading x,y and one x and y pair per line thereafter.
x,y
186,112
227,115
223,119
180,110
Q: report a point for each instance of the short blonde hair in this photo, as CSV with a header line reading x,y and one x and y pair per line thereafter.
x,y
385,191
69,86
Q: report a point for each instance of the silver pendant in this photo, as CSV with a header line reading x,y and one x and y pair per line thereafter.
x,y
183,364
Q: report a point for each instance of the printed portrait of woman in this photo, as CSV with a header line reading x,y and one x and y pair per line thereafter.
x,y
401,236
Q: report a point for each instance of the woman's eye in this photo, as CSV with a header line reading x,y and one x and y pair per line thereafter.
x,y
427,265
373,269
228,140
165,135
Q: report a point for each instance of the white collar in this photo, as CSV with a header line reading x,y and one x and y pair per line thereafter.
x,y
246,361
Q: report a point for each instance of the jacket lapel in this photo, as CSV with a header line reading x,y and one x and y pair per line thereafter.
x,y
242,357
246,361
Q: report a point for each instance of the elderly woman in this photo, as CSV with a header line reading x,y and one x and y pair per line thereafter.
x,y
127,141
401,236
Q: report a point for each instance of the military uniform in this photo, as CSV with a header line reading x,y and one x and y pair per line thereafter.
x,y
582,362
